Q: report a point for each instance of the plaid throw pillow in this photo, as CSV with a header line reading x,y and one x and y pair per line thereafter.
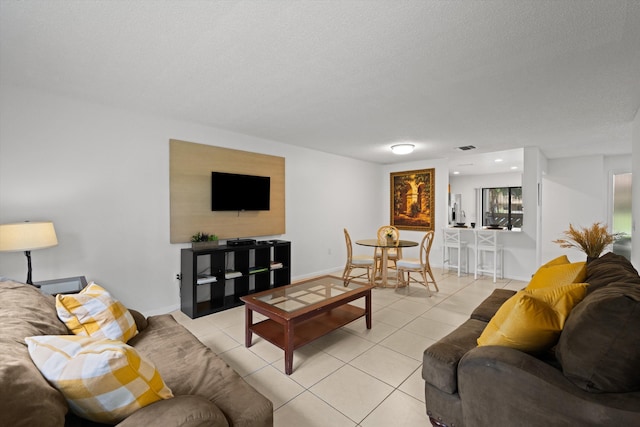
x,y
103,380
94,312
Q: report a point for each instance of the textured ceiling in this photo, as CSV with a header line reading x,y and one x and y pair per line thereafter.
x,y
348,77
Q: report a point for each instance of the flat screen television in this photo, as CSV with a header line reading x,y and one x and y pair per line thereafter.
x,y
234,192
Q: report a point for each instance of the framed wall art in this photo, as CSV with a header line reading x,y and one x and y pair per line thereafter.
x,y
413,200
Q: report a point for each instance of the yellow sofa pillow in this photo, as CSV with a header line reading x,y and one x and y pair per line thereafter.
x,y
94,312
102,380
524,323
558,275
561,299
562,259
532,320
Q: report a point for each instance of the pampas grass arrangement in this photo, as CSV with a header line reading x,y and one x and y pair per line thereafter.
x,y
592,241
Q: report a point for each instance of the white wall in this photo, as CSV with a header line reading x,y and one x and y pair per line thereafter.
x,y
102,176
576,191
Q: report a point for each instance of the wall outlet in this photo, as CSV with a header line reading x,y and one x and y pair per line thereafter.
x,y
178,276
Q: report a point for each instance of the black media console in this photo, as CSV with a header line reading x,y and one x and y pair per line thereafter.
x,y
214,279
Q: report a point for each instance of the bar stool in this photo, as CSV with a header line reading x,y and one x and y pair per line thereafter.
x,y
487,241
451,241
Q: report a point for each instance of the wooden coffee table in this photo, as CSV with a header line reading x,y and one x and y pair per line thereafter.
x,y
302,312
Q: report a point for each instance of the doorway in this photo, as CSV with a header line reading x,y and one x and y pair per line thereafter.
x,y
621,215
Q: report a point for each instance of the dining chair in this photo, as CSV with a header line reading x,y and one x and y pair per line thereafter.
x,y
453,241
418,265
356,261
486,241
393,254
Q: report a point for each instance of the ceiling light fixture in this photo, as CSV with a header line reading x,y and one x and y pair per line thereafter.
x,y
498,160
402,148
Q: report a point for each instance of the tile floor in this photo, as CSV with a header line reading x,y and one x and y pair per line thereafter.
x,y
352,376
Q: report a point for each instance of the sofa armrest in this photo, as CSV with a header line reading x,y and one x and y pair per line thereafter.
x,y
179,411
498,385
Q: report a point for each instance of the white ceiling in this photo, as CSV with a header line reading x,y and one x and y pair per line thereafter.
x,y
348,77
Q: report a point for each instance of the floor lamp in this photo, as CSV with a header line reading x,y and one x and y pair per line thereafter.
x,y
27,236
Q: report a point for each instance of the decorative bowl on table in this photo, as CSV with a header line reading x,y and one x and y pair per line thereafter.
x,y
460,224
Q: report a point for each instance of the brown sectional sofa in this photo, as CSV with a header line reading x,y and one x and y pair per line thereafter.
x,y
207,391
590,378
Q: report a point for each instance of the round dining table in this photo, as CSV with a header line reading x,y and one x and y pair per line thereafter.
x,y
385,246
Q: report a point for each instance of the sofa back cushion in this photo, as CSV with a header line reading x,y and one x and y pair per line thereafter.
x,y
599,348
610,268
26,398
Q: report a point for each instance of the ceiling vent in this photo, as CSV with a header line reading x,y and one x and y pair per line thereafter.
x,y
466,148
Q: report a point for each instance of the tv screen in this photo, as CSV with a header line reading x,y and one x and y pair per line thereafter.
x,y
233,192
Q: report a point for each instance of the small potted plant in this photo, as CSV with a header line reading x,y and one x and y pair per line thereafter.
x,y
203,241
592,241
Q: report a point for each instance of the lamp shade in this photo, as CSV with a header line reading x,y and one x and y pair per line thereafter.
x,y
27,236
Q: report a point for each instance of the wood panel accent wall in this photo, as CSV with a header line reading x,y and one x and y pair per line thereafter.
x,y
190,167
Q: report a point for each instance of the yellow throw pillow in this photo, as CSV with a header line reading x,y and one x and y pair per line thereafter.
x,y
561,298
524,323
102,380
532,320
563,259
94,312
558,275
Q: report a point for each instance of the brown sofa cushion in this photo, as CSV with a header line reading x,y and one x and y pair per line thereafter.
x,y
188,367
183,411
610,268
599,348
488,308
440,360
26,398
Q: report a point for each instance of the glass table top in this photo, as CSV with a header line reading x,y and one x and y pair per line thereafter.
x,y
307,293
383,244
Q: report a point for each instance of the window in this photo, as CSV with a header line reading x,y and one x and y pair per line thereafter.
x,y
502,206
